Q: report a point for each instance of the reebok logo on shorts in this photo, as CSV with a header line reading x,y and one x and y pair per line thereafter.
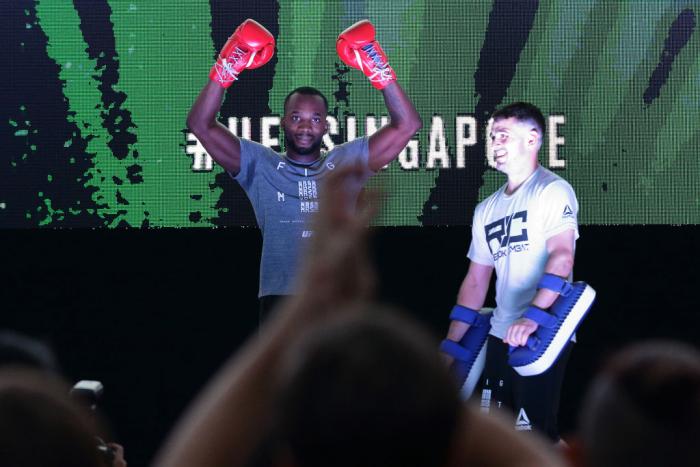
x,y
522,423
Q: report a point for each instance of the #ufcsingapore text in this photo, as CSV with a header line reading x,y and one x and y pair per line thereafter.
x,y
438,155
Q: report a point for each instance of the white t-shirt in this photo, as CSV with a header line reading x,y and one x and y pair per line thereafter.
x,y
509,233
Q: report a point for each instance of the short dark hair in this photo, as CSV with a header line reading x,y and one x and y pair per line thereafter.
x,y
523,112
373,377
41,426
20,350
306,91
644,408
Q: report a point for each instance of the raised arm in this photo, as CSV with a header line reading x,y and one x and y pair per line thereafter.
x,y
404,122
222,145
358,48
250,46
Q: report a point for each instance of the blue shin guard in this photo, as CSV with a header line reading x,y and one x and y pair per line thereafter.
x,y
470,352
555,326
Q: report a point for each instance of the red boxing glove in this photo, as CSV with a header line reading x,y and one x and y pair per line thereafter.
x,y
357,48
250,46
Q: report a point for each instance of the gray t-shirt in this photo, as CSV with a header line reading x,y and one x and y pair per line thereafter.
x,y
284,194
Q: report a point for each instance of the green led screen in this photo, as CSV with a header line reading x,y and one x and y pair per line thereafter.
x,y
95,94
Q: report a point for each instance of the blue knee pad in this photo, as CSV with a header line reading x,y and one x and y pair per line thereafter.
x,y
470,352
555,326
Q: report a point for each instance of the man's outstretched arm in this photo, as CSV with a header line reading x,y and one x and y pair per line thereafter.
x,y
250,46
404,122
222,145
358,48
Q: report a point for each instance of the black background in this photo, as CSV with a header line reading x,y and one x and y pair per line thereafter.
x,y
153,313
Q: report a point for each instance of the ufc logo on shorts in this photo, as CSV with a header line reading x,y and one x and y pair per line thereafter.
x,y
510,229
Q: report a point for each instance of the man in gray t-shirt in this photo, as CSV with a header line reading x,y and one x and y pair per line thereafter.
x,y
283,188
284,194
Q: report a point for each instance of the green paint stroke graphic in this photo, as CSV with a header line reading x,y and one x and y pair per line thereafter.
x,y
592,61
556,36
160,88
161,81
436,71
61,24
630,160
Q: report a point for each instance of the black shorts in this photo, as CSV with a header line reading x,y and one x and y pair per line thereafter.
x,y
534,400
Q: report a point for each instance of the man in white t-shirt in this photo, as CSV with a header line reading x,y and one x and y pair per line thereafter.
x,y
525,229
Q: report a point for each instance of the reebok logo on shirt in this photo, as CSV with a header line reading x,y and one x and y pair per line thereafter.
x,y
567,212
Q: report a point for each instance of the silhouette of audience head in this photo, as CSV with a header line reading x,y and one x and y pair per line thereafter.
x,y
40,426
18,350
367,389
644,408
